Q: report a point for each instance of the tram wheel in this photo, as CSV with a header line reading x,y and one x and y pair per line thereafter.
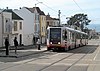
x,y
48,49
69,48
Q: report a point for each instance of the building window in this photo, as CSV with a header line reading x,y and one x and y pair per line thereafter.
x,y
36,17
42,29
15,25
48,23
20,25
6,21
7,25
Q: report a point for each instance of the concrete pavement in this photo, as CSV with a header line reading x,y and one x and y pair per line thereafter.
x,y
22,51
52,61
95,63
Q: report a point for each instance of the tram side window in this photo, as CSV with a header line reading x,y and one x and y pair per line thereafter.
x,y
87,36
78,36
83,36
73,38
65,35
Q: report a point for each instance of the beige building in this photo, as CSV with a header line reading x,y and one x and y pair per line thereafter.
x,y
43,27
40,23
52,21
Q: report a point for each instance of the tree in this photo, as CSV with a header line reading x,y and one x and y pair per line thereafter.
x,y
79,20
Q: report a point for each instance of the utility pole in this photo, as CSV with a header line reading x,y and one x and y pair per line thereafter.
x,y
59,16
35,28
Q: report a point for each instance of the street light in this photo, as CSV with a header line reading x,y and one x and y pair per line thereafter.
x,y
35,21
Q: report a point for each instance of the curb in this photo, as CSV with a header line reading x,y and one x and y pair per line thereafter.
x,y
18,56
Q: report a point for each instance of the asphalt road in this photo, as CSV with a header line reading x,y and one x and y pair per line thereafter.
x,y
85,58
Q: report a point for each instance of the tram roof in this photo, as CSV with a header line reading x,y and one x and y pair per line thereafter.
x,y
70,29
73,30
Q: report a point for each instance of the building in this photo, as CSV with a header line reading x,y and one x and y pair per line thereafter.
x,y
93,34
1,28
5,26
34,24
42,19
28,27
37,30
11,27
17,27
52,21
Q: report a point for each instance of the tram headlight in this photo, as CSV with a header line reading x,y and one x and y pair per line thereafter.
x,y
50,42
58,42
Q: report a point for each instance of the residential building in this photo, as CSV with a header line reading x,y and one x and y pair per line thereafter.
x,y
55,21
92,33
28,24
52,21
41,21
1,40
43,27
36,27
5,26
16,28
34,24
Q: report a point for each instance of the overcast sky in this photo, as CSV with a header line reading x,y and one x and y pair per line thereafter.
x,y
68,7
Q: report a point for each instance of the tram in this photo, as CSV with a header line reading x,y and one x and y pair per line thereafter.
x,y
65,38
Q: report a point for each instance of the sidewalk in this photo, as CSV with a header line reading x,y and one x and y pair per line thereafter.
x,y
23,51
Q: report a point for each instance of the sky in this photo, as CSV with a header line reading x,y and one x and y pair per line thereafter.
x,y
68,8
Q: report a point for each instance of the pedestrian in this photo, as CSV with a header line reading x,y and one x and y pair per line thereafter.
x,y
6,46
38,44
15,44
34,40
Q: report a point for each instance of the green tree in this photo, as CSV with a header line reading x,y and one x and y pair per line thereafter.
x,y
79,20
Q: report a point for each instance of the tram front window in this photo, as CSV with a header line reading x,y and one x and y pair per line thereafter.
x,y
55,35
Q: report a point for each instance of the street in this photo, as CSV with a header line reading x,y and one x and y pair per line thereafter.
x,y
86,58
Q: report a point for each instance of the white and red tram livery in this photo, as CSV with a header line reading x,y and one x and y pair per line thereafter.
x,y
65,38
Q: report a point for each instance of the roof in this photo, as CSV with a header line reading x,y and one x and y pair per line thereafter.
x,y
50,18
14,15
1,10
38,10
55,19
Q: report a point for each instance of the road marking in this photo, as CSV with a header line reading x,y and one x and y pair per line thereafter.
x,y
97,53
81,64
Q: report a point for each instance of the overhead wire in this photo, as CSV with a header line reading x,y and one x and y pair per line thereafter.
x,y
78,5
48,6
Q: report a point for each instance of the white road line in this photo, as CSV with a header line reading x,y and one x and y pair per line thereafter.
x,y
97,53
81,64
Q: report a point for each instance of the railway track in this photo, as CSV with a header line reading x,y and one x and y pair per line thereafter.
x,y
50,53
66,58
